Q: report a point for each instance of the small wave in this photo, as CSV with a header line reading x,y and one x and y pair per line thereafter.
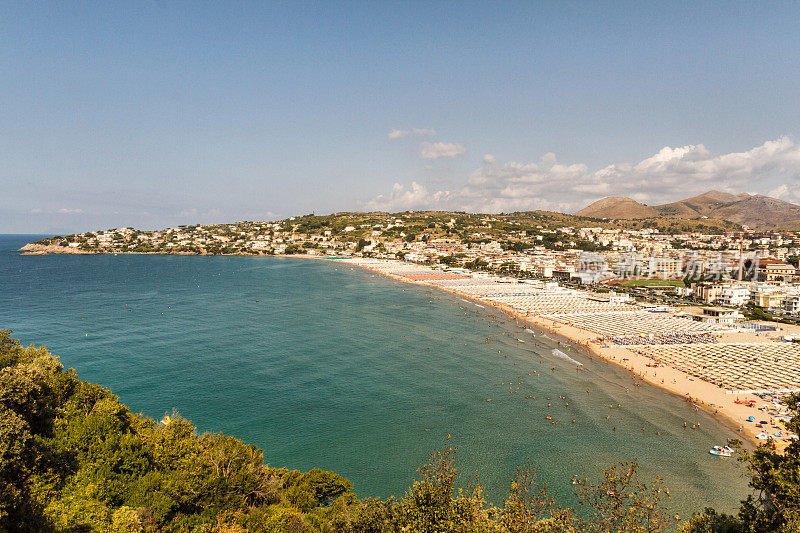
x,y
479,305
562,355
530,331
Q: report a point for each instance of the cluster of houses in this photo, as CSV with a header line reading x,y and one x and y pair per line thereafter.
x,y
776,298
729,270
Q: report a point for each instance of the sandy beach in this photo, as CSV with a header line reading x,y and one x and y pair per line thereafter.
x,y
702,394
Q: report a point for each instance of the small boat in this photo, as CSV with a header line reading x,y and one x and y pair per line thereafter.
x,y
721,451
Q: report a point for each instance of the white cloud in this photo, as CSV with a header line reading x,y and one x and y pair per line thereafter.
x,y
439,150
780,191
669,175
399,134
69,211
407,198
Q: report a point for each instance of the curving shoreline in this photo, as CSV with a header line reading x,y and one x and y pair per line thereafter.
x,y
702,394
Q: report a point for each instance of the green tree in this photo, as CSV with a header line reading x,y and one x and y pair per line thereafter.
x,y
709,521
758,313
315,488
26,412
530,509
434,504
620,502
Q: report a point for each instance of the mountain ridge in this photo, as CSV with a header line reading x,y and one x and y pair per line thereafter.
x,y
753,210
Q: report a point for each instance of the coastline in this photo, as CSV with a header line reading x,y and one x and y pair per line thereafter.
x,y
383,333
46,249
701,394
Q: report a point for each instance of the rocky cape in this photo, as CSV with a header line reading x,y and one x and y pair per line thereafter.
x,y
44,249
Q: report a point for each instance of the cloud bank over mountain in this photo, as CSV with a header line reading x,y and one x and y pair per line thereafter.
x,y
772,168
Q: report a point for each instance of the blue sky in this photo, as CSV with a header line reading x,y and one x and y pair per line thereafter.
x,y
161,113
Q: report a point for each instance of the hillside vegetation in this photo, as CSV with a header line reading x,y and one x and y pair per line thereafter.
x,y
299,234
74,459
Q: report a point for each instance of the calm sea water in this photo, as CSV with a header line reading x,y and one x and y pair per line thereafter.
x,y
323,365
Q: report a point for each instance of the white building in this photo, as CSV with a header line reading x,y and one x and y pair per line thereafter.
x,y
791,304
733,295
718,315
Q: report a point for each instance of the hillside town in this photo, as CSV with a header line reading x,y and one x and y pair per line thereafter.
x,y
700,263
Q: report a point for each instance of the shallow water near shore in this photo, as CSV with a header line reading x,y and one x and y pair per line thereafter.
x,y
325,365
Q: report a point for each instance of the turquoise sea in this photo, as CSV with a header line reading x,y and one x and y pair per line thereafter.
x,y
324,365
